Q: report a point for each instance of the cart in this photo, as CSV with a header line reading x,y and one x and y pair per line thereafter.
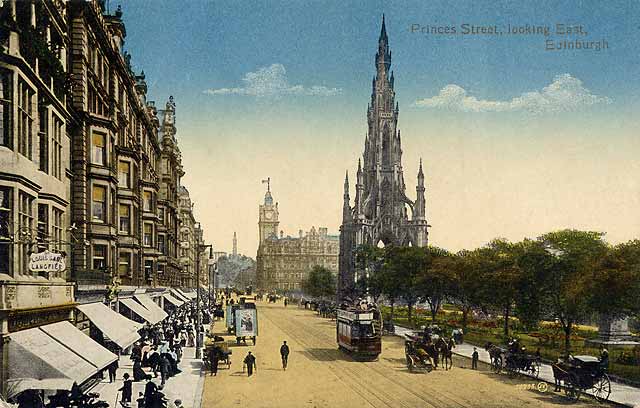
x,y
414,362
580,374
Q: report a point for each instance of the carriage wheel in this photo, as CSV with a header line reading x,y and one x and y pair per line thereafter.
x,y
497,365
534,369
602,388
572,387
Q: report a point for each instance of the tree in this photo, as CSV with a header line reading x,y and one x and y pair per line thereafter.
x,y
614,286
320,283
435,280
371,260
467,283
404,265
572,257
530,287
502,275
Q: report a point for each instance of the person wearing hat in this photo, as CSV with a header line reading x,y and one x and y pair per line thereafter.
x,y
250,362
127,388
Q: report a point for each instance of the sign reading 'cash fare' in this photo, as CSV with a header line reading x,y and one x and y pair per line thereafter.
x,y
47,262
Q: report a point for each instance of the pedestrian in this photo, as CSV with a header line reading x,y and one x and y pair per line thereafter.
x,y
150,391
214,356
165,367
474,359
113,368
284,353
127,388
604,357
140,400
286,302
250,362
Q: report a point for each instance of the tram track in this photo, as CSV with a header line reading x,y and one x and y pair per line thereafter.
x,y
354,380
439,395
441,399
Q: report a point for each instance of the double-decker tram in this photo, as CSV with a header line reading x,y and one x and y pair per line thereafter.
x,y
359,332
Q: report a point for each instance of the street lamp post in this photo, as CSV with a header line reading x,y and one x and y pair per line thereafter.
x,y
201,248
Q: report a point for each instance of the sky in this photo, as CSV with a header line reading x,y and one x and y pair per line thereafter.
x,y
516,139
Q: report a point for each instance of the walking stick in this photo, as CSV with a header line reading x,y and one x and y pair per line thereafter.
x,y
115,403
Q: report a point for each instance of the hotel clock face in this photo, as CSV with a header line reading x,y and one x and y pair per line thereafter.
x,y
268,215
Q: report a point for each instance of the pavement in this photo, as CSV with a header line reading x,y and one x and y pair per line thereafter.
x,y
186,386
621,394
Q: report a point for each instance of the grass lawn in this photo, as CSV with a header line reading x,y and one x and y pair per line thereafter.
x,y
547,337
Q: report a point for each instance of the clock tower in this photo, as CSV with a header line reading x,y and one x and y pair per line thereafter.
x,y
268,219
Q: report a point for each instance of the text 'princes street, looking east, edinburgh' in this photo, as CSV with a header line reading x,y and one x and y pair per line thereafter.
x,y
556,37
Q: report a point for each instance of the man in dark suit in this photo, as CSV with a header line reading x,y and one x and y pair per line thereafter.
x,y
284,354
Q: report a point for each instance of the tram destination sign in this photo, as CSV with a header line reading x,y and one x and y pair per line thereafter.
x,y
47,261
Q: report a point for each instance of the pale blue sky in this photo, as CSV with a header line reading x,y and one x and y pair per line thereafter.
x,y
300,118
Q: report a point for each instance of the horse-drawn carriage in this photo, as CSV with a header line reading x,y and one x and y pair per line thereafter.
x,y
513,360
425,348
581,373
218,344
416,360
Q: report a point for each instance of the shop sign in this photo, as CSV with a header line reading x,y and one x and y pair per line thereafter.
x,y
47,262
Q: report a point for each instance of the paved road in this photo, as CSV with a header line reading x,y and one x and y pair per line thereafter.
x,y
319,375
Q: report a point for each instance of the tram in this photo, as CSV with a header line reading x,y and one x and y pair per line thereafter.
x,y
359,332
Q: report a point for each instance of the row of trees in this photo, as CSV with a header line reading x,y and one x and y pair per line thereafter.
x,y
566,275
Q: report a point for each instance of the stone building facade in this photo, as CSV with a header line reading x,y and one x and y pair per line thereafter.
x,y
283,263
381,214
36,123
88,166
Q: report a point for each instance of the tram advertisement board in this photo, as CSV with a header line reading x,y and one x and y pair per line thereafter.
x,y
246,322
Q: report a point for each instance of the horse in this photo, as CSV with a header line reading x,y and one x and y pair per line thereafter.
x,y
495,353
445,349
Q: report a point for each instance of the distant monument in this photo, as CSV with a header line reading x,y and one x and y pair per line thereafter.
x,y
614,331
382,213
235,245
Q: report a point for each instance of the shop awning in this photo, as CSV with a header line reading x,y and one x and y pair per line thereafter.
x,y
116,327
172,300
150,305
53,357
190,294
140,310
180,295
80,343
183,293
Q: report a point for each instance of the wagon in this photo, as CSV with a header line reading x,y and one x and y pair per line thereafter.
x,y
224,351
517,363
580,374
414,362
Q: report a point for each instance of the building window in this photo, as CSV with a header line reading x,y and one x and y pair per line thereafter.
x,y
99,206
161,245
43,140
43,225
148,270
124,174
100,257
6,104
160,269
99,141
147,200
56,228
125,219
25,119
124,264
25,223
161,215
147,238
6,221
56,148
